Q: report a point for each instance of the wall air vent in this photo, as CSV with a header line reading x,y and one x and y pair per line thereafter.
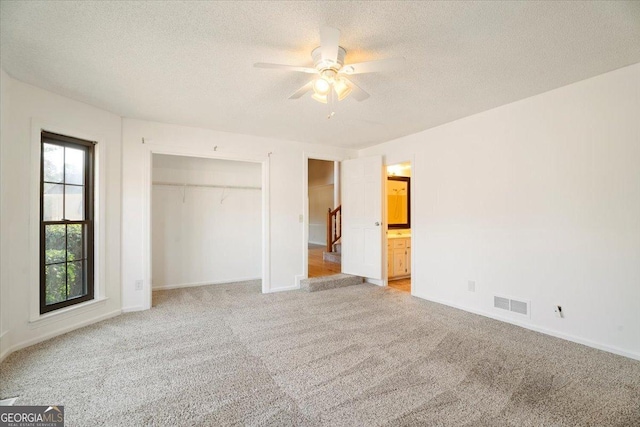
x,y
520,307
499,302
512,305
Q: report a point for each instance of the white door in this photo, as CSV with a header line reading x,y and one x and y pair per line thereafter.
x,y
362,217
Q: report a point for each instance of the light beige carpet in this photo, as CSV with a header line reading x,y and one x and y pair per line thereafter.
x,y
360,355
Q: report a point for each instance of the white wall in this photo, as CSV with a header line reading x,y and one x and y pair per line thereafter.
x,y
286,180
25,109
204,235
320,200
539,200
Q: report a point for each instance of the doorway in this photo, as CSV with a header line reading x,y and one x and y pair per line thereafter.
x,y
398,198
323,215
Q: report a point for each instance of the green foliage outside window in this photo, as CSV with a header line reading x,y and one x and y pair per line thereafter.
x,y
63,271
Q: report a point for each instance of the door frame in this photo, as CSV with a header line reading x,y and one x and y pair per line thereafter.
x,y
387,162
265,193
306,156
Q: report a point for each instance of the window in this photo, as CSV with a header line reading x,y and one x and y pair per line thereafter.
x,y
66,221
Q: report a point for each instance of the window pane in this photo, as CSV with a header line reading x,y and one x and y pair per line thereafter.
x,y
54,250
55,286
75,279
52,209
74,203
74,242
53,156
65,224
74,166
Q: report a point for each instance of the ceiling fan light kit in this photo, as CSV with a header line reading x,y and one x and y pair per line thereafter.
x,y
322,85
342,89
331,81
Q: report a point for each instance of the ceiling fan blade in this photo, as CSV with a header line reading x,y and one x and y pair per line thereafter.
x,y
304,89
356,91
388,64
329,39
286,67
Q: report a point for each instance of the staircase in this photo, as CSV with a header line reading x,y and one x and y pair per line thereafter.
x,y
335,255
324,283
334,233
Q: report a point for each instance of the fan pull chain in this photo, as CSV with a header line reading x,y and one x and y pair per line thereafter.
x,y
330,98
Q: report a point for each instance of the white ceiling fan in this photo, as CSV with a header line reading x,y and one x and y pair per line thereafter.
x,y
331,72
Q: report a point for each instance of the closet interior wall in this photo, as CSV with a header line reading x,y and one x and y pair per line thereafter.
x,y
206,221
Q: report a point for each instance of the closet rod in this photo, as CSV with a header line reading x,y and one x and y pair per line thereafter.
x,y
239,187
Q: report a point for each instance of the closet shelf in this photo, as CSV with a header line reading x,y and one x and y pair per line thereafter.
x,y
238,187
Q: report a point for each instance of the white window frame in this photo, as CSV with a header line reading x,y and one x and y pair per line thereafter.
x,y
100,296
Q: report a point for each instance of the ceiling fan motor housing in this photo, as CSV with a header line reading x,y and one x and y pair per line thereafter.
x,y
320,64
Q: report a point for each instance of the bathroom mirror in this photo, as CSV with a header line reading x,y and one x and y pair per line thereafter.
x,y
398,200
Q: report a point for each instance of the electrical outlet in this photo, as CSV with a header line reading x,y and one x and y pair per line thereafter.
x,y
300,218
139,285
471,286
558,310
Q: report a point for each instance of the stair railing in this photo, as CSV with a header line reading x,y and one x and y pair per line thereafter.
x,y
334,227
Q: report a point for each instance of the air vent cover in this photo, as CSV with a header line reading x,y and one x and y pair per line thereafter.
x,y
499,302
512,305
519,307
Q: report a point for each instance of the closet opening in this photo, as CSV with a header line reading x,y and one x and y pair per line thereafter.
x,y
206,221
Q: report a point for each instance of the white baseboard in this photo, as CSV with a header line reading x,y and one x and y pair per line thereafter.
x,y
133,308
55,333
287,288
318,243
378,282
551,332
3,337
214,282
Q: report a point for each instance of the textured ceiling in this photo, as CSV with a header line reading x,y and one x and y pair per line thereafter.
x,y
191,63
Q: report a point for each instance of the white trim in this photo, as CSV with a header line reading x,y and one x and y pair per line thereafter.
x,y
72,310
8,402
287,288
133,308
266,225
171,150
147,256
184,184
196,284
377,282
516,322
37,126
57,332
336,183
4,337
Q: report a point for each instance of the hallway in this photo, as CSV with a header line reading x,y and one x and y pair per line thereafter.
x,y
317,266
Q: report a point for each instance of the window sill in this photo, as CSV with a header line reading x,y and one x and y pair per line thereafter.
x,y
73,310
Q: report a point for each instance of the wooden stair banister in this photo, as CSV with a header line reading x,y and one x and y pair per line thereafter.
x,y
334,227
